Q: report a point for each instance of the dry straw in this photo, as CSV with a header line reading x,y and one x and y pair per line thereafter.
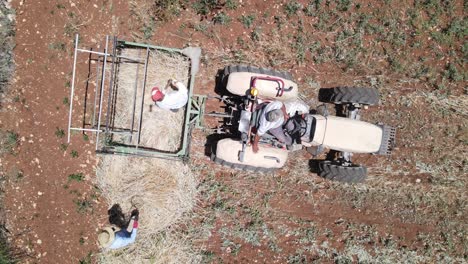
x,y
161,129
163,191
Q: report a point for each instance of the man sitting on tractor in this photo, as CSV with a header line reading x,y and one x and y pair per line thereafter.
x,y
272,119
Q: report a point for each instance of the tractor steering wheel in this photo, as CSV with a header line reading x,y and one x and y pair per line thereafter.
x,y
300,125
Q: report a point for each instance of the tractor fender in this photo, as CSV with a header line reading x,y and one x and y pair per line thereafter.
x,y
267,157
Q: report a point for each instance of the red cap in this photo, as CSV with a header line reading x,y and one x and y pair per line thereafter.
x,y
156,94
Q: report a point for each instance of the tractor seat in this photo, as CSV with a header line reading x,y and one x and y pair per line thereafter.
x,y
255,120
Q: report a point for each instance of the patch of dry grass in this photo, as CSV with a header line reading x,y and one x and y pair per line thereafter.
x,y
161,129
163,191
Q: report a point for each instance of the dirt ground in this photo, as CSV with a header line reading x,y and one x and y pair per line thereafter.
x,y
412,208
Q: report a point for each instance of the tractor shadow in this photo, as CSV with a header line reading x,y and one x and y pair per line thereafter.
x,y
211,143
314,165
220,89
220,83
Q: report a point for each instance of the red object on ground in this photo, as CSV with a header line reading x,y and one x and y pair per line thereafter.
x,y
156,94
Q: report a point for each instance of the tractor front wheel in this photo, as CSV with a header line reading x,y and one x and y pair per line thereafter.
x,y
352,95
336,172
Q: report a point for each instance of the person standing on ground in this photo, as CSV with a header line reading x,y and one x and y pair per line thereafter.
x,y
172,97
113,238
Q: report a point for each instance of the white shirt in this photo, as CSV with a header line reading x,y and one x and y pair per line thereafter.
x,y
265,125
174,99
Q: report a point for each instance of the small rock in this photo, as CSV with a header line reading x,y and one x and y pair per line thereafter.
x,y
39,241
418,180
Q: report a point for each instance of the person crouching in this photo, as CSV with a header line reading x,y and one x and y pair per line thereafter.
x,y
114,237
172,97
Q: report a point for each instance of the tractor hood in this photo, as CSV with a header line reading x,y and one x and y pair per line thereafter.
x,y
349,135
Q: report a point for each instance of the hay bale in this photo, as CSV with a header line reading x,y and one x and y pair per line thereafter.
x,y
163,191
161,129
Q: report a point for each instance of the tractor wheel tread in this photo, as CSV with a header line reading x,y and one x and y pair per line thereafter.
x,y
242,166
252,69
361,95
335,172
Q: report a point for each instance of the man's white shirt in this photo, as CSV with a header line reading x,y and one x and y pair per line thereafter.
x,y
174,99
265,125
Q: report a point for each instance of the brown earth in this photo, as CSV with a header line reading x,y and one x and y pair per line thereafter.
x,y
288,216
53,219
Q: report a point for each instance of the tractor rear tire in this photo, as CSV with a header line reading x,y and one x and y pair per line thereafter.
x,y
336,172
252,69
359,95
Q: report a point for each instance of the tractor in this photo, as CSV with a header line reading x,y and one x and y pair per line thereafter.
x,y
315,130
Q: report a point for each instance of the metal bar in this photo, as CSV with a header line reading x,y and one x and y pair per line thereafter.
x,y
134,99
143,151
102,91
129,43
110,55
95,93
111,84
72,92
130,58
93,52
120,132
143,97
85,129
185,139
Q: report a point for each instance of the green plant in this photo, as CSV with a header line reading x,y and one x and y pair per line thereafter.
x,y
83,205
70,29
86,260
201,27
232,4
5,254
256,34
79,177
165,10
279,21
7,34
207,256
63,147
74,153
291,8
247,21
299,44
57,46
148,28
205,7
65,101
222,19
452,73
60,133
8,141
343,5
